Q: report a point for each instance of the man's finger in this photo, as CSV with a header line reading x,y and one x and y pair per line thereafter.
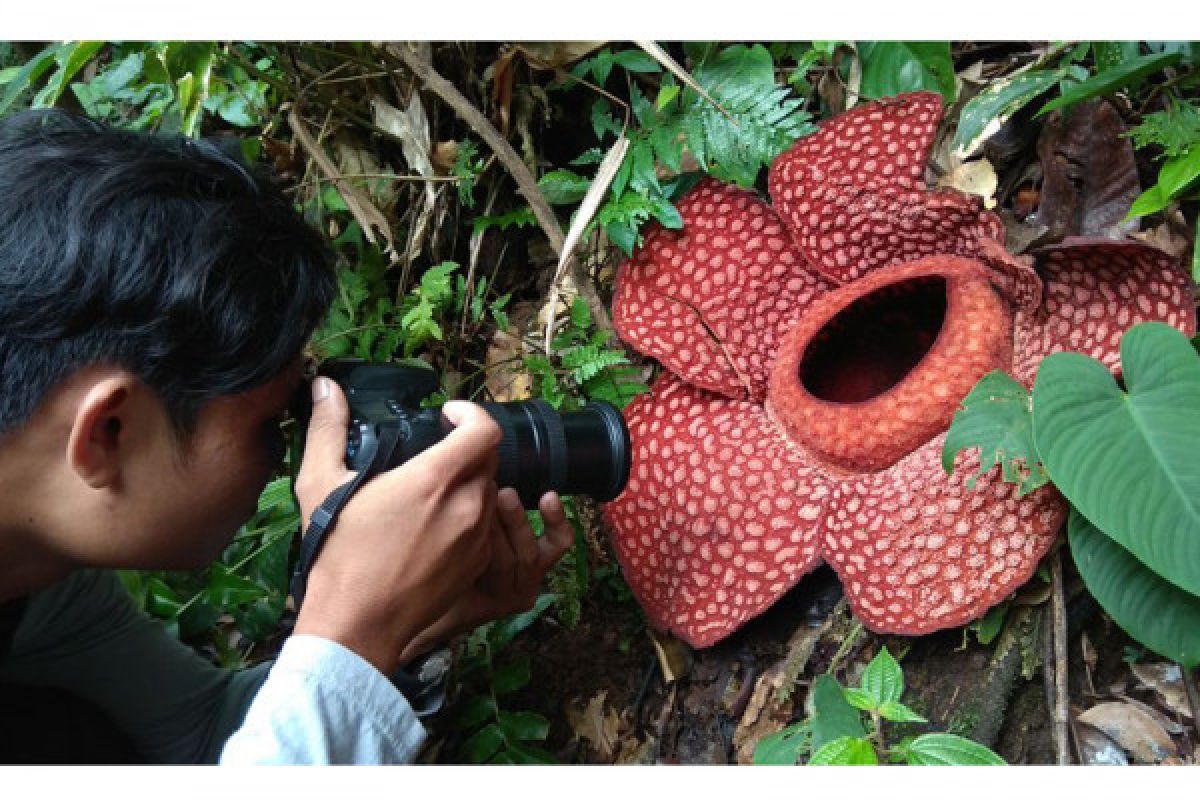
x,y
559,534
324,464
516,528
469,449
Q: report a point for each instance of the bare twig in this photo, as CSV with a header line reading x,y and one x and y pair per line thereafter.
x,y
1189,684
1059,605
526,183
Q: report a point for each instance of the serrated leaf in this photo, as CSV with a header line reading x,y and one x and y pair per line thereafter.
x,y
1112,80
524,725
1153,611
987,112
898,712
882,678
861,699
483,745
892,68
783,748
1127,459
846,751
997,417
833,717
512,676
563,187
946,749
581,315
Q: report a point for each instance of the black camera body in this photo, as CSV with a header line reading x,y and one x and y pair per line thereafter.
x,y
583,452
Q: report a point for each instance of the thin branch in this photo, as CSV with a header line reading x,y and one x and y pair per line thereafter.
x,y
526,182
1059,605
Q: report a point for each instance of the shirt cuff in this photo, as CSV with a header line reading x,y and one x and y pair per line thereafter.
x,y
324,704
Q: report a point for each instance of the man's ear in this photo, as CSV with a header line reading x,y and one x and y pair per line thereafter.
x,y
99,430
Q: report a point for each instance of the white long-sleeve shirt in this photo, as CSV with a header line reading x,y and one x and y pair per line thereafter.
x,y
318,703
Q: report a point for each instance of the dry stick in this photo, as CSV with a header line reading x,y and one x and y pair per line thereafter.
x,y
526,183
1189,684
1061,743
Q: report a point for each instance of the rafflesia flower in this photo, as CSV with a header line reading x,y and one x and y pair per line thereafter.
x,y
815,353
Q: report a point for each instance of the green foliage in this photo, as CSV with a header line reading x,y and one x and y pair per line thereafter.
x,y
985,113
467,167
485,675
891,68
66,59
1159,614
835,734
1176,129
1123,457
1178,175
997,416
1112,79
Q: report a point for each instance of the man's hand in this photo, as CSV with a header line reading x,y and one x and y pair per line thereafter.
x,y
409,543
520,560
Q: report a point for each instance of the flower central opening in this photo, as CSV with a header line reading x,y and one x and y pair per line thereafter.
x,y
875,342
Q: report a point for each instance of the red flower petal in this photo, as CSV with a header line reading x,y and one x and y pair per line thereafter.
x,y
720,516
854,197
711,301
919,551
1095,290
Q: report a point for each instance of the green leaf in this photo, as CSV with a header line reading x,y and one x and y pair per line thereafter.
x,y
581,315
988,627
30,71
1161,616
226,588
483,745
882,678
833,717
524,725
72,58
1196,253
1175,129
987,112
1127,459
521,753
846,751
1148,202
636,61
891,68
512,676
946,749
1112,54
997,417
784,747
475,711
1177,175
667,93
861,699
1112,80
563,187
504,631
898,712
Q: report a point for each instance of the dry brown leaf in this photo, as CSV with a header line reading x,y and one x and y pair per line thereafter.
x,y
1097,749
1166,680
1137,732
973,177
1172,236
556,55
411,127
507,378
443,157
596,723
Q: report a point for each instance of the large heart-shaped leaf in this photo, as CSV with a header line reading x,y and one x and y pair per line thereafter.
x,y
891,68
1156,613
1127,459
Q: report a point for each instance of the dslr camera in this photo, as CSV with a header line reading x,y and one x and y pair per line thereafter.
x,y
581,452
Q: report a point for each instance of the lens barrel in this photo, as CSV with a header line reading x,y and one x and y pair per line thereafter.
x,y
578,452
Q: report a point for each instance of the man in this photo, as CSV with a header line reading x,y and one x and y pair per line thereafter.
x,y
155,298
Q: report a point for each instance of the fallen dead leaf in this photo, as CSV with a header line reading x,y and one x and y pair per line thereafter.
x,y
674,656
1097,749
973,177
411,127
1137,732
1090,176
507,379
1166,680
443,156
1171,236
596,723
556,55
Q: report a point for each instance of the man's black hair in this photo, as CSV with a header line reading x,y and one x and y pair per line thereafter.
x,y
157,253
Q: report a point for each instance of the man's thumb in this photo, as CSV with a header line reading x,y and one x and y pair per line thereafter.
x,y
325,446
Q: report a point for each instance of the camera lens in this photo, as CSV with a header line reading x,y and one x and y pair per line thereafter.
x,y
578,452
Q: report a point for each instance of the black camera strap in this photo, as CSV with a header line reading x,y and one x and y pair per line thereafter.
x,y
327,513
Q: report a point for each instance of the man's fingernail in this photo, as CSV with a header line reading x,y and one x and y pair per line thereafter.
x,y
320,389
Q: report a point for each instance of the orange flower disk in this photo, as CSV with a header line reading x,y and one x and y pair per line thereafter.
x,y
815,353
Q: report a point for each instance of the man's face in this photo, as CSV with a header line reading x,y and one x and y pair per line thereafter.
x,y
191,498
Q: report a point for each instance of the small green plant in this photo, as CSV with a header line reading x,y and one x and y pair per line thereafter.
x,y
485,677
835,732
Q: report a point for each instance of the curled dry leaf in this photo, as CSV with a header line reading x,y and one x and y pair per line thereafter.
x,y
1166,680
973,177
411,127
1096,749
674,656
597,723
1090,176
1137,732
507,378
